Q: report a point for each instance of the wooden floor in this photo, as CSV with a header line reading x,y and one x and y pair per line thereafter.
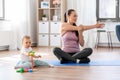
x,y
9,58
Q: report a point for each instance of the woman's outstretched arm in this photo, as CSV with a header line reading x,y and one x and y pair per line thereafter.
x,y
98,25
68,27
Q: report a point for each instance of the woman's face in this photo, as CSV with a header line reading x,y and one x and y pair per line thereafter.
x,y
72,18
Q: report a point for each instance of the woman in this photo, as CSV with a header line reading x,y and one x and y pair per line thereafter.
x,y
72,36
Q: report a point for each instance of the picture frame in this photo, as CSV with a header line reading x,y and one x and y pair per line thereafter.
x,y
2,10
45,4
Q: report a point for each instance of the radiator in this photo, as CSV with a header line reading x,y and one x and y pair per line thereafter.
x,y
5,47
5,39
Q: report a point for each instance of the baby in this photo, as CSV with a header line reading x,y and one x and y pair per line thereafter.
x,y
26,57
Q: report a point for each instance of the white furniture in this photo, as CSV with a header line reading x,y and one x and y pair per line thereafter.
x,y
55,40
43,27
55,33
49,31
55,27
49,39
43,40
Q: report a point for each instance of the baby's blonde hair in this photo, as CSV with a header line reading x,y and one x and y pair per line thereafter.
x,y
25,37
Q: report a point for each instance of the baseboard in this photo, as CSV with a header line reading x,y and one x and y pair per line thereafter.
x,y
6,47
34,44
106,44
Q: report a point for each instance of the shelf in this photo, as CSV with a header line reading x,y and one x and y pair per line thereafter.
x,y
48,8
54,33
49,31
54,12
55,21
55,8
43,8
43,33
50,21
41,12
43,21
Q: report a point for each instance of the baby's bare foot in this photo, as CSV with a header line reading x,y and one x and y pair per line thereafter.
x,y
51,66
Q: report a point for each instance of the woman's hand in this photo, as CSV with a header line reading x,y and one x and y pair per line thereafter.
x,y
99,25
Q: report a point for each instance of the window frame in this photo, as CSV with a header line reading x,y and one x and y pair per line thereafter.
x,y
3,10
111,19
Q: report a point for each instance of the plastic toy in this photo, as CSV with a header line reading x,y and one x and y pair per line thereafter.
x,y
22,70
32,53
26,70
30,70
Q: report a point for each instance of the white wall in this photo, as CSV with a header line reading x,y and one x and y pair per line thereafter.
x,y
33,20
72,4
21,29
27,25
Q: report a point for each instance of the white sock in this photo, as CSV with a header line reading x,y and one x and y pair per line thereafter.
x,y
51,65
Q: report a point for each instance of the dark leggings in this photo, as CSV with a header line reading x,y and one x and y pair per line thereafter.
x,y
72,56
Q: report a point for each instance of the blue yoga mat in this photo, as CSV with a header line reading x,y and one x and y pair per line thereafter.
x,y
92,63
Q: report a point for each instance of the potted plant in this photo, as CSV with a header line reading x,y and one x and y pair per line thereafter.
x,y
44,17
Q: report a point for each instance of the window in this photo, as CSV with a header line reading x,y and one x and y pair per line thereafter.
x,y
108,10
1,9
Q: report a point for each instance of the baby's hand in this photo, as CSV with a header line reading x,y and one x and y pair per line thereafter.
x,y
38,56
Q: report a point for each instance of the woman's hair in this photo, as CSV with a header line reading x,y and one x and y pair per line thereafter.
x,y
68,14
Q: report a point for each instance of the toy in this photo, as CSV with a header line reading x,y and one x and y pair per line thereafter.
x,y
30,70
32,53
26,70
22,70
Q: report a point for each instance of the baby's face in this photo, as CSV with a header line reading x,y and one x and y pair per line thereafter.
x,y
27,43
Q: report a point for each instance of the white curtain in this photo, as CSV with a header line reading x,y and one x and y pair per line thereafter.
x,y
86,10
17,12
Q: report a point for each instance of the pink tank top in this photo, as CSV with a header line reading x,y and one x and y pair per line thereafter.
x,y
70,42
